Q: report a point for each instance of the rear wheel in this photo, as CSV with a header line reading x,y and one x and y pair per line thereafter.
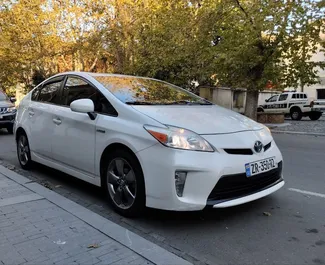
x,y
23,151
124,183
314,116
296,114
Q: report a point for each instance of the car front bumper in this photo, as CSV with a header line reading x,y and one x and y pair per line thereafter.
x,y
7,120
204,172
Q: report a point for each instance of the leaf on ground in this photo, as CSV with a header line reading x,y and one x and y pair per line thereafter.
x,y
47,185
266,214
93,246
11,167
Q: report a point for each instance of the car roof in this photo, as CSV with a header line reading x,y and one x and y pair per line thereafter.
x,y
91,74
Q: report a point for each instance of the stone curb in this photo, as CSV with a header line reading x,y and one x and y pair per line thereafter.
x,y
273,126
298,133
138,244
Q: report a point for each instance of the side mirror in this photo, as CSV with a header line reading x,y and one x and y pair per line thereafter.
x,y
266,100
13,99
84,106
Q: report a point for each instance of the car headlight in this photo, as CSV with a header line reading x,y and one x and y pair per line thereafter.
x,y
12,109
179,138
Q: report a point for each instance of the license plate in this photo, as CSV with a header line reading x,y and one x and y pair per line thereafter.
x,y
260,166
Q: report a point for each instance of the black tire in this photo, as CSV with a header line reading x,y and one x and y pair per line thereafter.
x,y
10,129
296,114
314,116
138,205
27,162
260,110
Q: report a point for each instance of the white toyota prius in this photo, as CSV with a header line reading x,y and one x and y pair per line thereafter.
x,y
146,142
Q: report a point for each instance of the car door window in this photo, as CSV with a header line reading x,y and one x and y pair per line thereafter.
x,y
273,99
49,93
283,97
294,95
76,88
305,96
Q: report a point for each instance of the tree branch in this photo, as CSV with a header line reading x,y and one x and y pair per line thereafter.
x,y
245,12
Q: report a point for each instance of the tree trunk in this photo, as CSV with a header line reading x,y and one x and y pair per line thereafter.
x,y
251,104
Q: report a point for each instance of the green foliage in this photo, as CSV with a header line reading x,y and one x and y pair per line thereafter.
x,y
235,43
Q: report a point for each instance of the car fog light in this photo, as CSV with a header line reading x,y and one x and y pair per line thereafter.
x,y
180,178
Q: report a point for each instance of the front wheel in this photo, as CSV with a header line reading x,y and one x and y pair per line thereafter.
x,y
23,152
124,183
314,116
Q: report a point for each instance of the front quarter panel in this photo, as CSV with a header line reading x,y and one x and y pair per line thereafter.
x,y
121,130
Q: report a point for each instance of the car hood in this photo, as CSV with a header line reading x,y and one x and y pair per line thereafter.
x,y
200,119
6,104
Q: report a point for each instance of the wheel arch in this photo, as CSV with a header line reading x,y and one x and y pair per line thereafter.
x,y
260,109
292,108
110,148
19,131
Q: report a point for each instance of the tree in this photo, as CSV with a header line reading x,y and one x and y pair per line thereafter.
x,y
264,41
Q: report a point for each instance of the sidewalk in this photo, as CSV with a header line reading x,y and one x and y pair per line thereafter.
x,y
38,226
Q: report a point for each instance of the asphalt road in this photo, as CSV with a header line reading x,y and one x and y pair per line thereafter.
x,y
293,233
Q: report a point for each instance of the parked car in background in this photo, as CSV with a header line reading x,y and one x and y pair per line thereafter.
x,y
294,104
147,143
7,112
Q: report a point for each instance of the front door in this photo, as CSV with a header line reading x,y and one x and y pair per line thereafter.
x,y
73,142
270,104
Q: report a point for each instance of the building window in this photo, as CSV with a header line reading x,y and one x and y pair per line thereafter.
x,y
321,93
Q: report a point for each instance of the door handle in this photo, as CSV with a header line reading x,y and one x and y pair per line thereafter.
x,y
57,121
31,112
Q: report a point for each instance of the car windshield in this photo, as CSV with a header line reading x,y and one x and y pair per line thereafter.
x,y
144,91
3,96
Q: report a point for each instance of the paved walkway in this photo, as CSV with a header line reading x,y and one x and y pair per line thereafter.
x,y
38,226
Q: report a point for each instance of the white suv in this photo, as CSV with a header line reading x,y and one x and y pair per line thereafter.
x,y
295,104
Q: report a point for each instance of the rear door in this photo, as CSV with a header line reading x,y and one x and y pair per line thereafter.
x,y
44,102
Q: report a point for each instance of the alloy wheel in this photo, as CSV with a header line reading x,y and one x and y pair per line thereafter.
x,y
23,150
121,183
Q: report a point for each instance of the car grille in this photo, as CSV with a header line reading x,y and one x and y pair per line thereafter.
x,y
238,151
244,151
238,185
3,110
266,147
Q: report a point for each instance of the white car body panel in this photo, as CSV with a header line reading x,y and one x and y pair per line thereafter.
x,y
76,145
73,140
201,119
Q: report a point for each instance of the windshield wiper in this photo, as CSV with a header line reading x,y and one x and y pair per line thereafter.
x,y
187,102
139,103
